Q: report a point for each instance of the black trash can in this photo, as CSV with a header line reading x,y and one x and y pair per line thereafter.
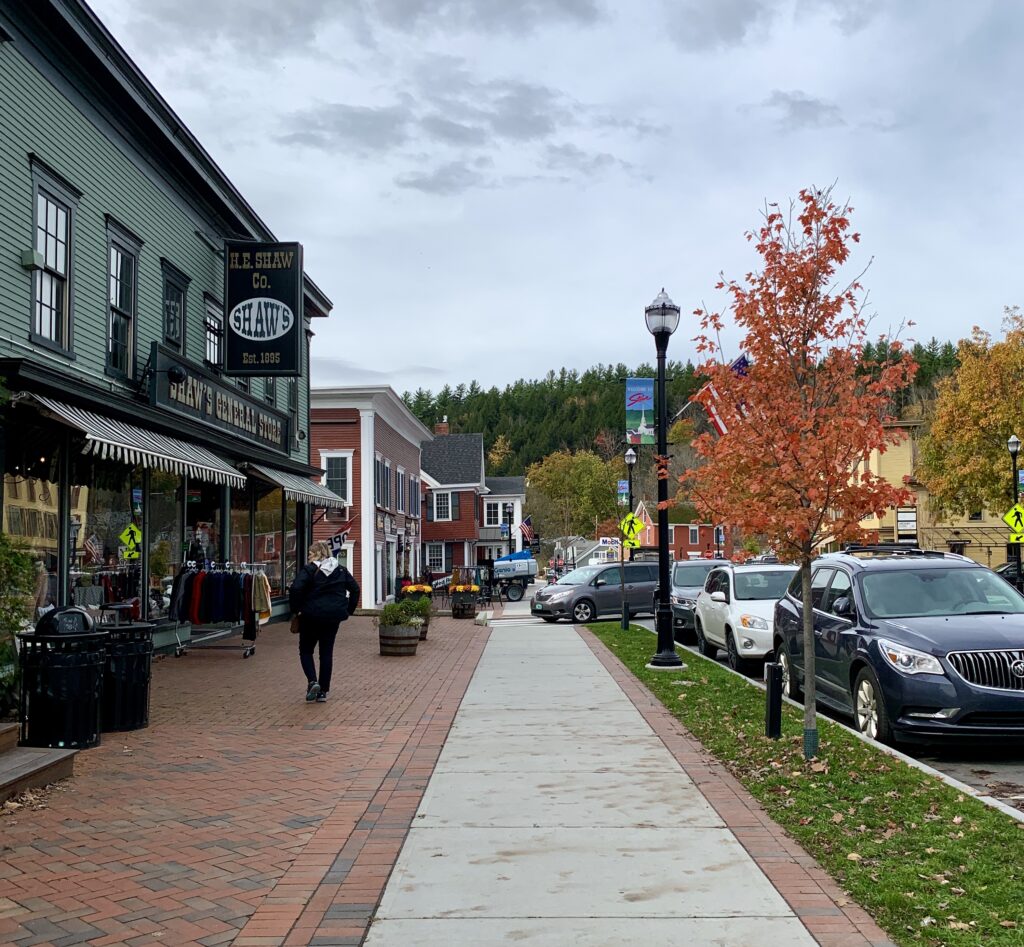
x,y
62,681
126,676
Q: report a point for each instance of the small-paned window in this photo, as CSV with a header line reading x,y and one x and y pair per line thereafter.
x,y
123,249
214,326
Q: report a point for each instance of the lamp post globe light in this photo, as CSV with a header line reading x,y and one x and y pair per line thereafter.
x,y
662,317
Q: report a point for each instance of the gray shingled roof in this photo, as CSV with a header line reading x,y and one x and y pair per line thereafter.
x,y
454,458
506,486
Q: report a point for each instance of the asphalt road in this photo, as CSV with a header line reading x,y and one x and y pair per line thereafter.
x,y
994,770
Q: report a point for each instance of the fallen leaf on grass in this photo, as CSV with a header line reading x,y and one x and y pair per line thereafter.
x,y
927,921
819,766
959,926
837,817
1007,923
958,819
854,857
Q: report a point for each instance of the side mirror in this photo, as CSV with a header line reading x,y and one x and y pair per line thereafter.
x,y
599,582
843,608
719,597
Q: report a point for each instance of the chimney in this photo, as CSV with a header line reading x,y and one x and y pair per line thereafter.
x,y
441,428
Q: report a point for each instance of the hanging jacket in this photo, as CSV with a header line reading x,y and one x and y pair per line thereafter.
x,y
324,591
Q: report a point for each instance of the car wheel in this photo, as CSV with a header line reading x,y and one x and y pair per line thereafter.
x,y
789,685
549,619
704,646
869,712
583,612
738,664
514,592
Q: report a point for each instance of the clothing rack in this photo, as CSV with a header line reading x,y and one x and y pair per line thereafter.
x,y
211,633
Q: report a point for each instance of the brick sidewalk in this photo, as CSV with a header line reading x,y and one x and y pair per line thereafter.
x,y
243,815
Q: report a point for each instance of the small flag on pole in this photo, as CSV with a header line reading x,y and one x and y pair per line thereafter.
x,y
526,528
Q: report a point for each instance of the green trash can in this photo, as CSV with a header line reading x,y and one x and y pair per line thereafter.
x,y
62,681
126,676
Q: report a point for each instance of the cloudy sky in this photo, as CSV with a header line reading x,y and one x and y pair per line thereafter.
x,y
490,189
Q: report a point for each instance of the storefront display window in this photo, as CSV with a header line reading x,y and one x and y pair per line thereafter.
x,y
165,539
203,504
241,521
269,536
30,517
290,538
106,532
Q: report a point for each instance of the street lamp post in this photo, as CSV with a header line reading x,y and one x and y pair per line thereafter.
x,y
1013,550
662,318
630,463
509,518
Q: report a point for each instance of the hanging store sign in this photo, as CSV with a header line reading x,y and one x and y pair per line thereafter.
x,y
262,308
198,394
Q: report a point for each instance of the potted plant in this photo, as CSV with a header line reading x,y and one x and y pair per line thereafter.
x,y
398,630
420,608
418,591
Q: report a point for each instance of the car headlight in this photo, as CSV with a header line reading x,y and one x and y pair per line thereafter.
x,y
559,595
908,660
753,621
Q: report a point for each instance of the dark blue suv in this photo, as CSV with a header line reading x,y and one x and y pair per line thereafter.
x,y
914,645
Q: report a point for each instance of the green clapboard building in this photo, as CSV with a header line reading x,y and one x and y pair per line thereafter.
x,y
132,462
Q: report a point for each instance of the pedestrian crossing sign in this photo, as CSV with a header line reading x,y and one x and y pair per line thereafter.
x,y
631,544
131,537
1014,518
631,525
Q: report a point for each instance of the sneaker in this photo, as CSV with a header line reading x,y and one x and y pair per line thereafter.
x,y
322,697
313,692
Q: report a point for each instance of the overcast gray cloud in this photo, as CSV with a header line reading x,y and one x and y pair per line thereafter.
x,y
797,110
518,178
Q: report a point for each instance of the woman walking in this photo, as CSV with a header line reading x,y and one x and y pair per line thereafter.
x,y
323,595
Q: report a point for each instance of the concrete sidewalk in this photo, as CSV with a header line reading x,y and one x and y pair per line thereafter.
x,y
555,815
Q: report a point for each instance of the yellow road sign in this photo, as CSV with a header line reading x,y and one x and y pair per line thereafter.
x,y
1014,517
631,525
1016,538
131,536
631,544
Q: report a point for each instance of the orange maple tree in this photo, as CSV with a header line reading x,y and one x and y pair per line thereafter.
x,y
802,418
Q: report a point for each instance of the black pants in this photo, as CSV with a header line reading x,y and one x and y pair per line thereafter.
x,y
311,634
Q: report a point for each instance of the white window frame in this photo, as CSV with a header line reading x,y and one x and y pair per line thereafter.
x,y
431,559
694,535
378,480
400,489
347,454
213,326
414,496
389,500
496,506
447,494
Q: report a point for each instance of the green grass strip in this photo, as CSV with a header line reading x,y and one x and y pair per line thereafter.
x,y
931,865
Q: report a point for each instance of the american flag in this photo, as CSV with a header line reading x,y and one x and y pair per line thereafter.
x,y
526,528
94,547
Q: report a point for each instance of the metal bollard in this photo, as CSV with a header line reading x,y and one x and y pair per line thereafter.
x,y
773,700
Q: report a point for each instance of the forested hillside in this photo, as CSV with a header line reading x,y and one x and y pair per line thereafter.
x,y
569,410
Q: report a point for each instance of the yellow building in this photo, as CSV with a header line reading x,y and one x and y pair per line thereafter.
x,y
981,534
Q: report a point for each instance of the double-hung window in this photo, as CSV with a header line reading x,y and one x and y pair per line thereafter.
x,y
388,499
270,389
175,299
123,250
492,513
400,490
337,466
442,506
694,535
55,206
214,325
435,557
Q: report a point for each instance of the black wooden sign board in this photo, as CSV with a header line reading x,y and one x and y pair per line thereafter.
x,y
263,308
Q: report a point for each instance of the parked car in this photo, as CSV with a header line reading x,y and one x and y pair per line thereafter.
x,y
914,645
1010,571
688,578
734,611
590,591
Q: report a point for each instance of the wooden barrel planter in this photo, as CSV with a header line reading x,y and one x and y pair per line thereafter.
x,y
398,640
423,629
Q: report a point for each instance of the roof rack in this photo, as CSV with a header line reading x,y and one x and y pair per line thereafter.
x,y
891,549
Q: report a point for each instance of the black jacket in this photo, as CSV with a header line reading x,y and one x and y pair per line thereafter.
x,y
323,598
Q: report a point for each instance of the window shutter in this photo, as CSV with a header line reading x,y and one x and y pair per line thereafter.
x,y
447,557
430,507
455,505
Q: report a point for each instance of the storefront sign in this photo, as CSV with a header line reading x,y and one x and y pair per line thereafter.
x,y
263,308
200,395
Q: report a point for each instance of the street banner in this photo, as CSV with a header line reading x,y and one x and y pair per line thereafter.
x,y
263,325
640,410
623,493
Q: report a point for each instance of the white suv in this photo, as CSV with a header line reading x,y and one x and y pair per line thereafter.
x,y
735,611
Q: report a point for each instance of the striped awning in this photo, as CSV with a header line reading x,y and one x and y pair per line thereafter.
x,y
299,488
116,440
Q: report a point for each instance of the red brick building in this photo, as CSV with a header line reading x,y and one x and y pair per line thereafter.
x,y
453,474
368,443
685,540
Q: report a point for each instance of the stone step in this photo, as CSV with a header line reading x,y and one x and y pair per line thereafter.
x,y
483,618
9,733
26,767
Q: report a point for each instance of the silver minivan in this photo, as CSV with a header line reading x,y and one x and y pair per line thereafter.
x,y
591,591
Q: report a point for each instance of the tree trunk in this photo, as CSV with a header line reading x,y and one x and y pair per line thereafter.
x,y
810,691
